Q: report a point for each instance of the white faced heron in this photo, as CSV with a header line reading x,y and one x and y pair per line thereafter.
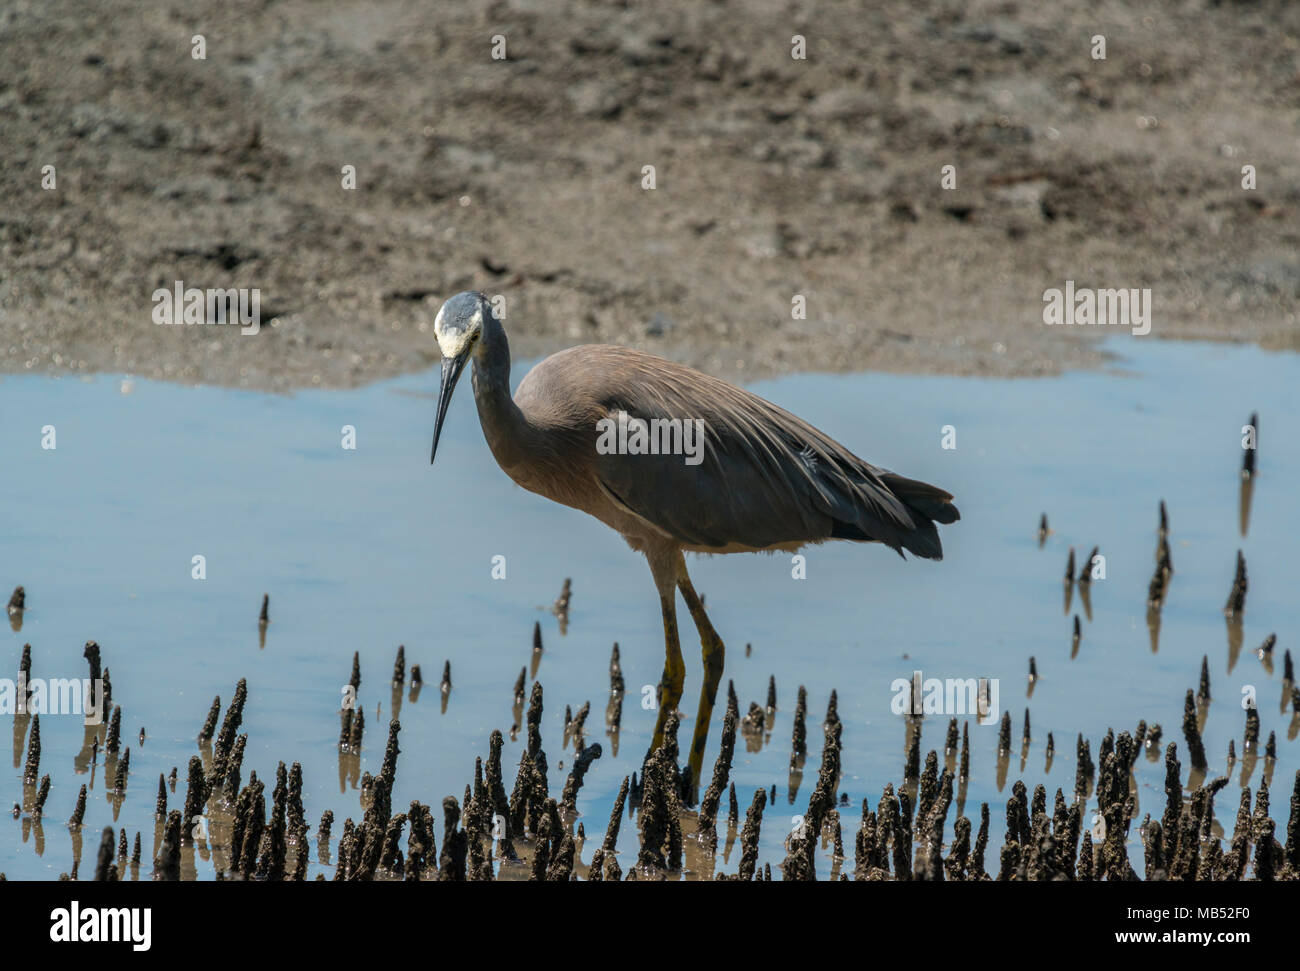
x,y
675,460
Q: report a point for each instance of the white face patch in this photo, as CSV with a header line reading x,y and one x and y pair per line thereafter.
x,y
453,344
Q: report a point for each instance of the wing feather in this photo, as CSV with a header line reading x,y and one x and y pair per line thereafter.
x,y
766,477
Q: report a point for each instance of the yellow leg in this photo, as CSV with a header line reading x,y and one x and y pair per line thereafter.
x,y
674,676
663,565
714,654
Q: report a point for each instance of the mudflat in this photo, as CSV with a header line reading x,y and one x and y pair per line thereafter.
x,y
775,178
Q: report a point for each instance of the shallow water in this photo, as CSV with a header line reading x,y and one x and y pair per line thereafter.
x,y
365,549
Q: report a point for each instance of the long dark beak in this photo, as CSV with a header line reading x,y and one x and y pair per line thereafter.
x,y
451,368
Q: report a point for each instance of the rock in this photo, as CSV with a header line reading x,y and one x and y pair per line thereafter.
x,y
596,99
659,325
843,104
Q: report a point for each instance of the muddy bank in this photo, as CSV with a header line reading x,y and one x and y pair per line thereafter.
x,y
522,176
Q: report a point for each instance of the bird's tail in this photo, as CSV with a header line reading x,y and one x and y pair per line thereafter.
x,y
928,505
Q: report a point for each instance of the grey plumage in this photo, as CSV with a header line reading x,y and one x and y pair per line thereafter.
x,y
767,479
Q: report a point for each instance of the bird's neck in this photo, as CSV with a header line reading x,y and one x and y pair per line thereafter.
x,y
504,426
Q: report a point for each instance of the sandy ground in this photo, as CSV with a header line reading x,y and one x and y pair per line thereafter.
x,y
775,177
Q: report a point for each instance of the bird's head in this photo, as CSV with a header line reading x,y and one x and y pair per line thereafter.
x,y
459,328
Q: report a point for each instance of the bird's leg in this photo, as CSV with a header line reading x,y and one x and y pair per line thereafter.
x,y
714,654
670,686
674,677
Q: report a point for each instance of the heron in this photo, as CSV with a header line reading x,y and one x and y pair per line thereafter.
x,y
762,481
